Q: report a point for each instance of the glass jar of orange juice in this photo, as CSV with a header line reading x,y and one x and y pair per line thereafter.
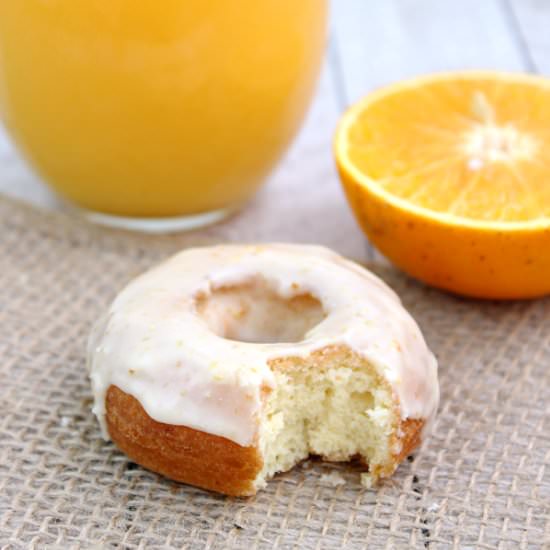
x,y
171,111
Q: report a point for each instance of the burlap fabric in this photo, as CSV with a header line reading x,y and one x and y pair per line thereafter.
x,y
481,481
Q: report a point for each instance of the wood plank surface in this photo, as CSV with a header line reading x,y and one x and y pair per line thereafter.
x,y
381,42
16,178
532,18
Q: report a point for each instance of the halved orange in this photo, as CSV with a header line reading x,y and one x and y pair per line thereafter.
x,y
449,176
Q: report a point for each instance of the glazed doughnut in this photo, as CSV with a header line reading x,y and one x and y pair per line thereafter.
x,y
225,365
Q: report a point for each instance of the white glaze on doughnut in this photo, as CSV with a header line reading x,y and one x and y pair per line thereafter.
x,y
153,344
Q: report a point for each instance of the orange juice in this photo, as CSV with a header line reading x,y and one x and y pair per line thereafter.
x,y
151,109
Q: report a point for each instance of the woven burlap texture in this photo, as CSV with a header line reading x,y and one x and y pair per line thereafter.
x,y
481,481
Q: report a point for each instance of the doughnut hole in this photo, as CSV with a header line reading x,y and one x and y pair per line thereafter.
x,y
254,311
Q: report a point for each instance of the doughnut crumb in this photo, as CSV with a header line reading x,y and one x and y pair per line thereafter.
x,y
331,404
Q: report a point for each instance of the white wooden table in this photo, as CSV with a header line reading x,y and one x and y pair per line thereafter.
x,y
372,42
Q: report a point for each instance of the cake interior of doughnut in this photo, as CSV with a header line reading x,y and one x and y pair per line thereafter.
x,y
329,403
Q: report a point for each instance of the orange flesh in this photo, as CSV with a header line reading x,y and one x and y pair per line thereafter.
x,y
474,147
